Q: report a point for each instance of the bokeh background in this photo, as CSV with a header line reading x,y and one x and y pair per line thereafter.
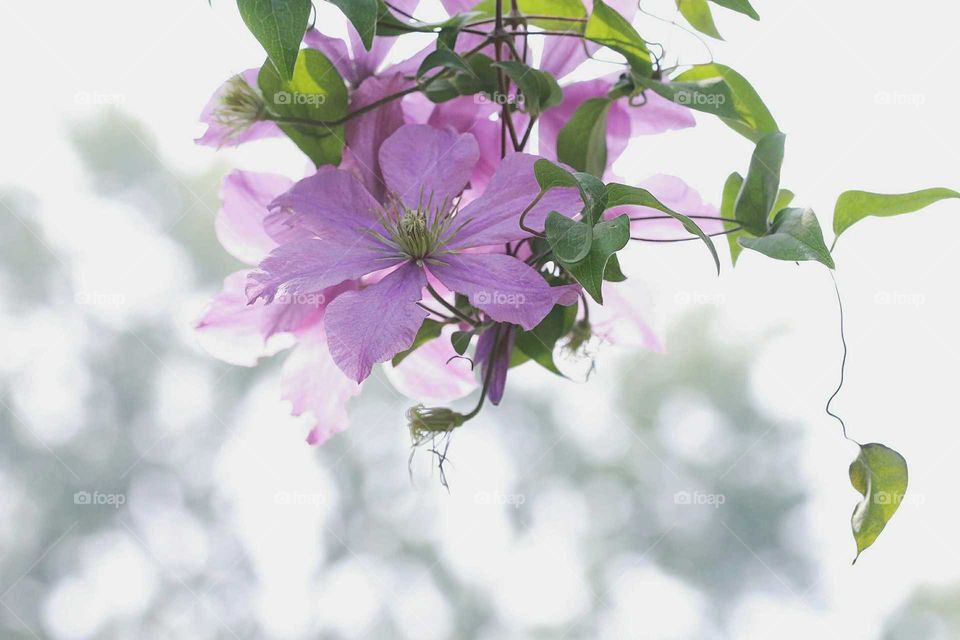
x,y
149,491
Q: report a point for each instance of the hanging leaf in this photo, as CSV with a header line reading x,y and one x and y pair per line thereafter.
x,y
697,13
279,26
731,189
620,195
613,272
315,92
710,95
608,28
794,236
582,143
447,59
854,206
569,239
880,475
740,6
429,330
544,10
593,192
538,344
753,120
461,341
540,90
760,188
363,15
608,238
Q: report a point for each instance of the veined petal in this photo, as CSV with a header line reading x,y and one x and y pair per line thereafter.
x,y
314,385
419,161
218,135
432,374
501,286
336,51
677,195
376,323
367,133
494,217
297,270
500,361
244,198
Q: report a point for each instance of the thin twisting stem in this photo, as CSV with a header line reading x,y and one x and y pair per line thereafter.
x,y
843,363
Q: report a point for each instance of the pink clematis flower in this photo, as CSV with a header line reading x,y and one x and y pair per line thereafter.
x,y
241,333
416,229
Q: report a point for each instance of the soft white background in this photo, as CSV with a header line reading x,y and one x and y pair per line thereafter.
x,y
865,92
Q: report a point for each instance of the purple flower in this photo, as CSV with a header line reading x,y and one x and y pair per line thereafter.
x,y
417,229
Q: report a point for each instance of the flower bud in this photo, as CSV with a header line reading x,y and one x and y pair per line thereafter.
x,y
425,422
240,107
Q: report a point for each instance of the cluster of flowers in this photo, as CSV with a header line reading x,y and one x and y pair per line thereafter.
x,y
424,248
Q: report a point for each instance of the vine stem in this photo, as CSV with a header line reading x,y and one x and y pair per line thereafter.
x,y
843,364
709,235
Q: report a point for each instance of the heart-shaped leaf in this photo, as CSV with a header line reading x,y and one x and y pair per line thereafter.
x,y
762,185
279,26
880,475
362,14
854,206
538,344
569,239
610,29
447,59
753,120
582,143
794,236
608,238
697,13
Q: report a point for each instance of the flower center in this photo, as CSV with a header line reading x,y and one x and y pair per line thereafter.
x,y
420,232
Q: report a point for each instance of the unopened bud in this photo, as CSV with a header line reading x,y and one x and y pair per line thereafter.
x,y
240,107
425,422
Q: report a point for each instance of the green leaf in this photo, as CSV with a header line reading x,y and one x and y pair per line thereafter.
x,y
613,273
880,475
610,29
461,341
447,59
784,198
621,194
794,236
551,176
697,13
540,90
760,189
569,239
316,92
363,15
538,344
592,190
752,118
740,6
854,206
711,95
608,238
546,8
582,143
279,26
429,330
731,189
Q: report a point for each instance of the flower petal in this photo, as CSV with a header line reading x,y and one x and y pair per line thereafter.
x,y
331,204
677,195
494,217
336,51
314,385
563,55
217,135
239,333
433,374
376,323
298,270
501,286
367,133
244,198
420,161
500,361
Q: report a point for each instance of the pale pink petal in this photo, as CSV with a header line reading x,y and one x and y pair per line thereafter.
x,y
433,374
678,196
622,318
217,135
420,162
315,386
376,323
494,217
563,55
336,51
501,286
244,198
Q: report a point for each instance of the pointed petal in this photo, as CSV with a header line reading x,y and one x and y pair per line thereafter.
x,y
420,161
244,198
366,134
501,286
376,323
494,217
500,361
336,51
314,385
